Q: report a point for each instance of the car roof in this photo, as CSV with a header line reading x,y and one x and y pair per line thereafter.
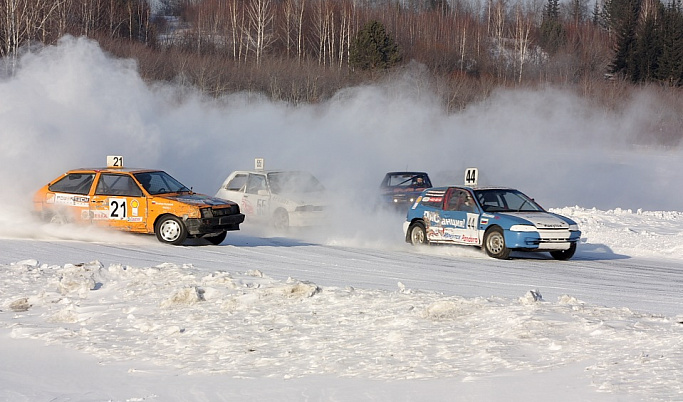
x,y
270,171
113,170
471,188
405,173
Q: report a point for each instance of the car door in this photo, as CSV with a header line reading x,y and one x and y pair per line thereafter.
x,y
233,188
68,199
119,202
460,217
256,199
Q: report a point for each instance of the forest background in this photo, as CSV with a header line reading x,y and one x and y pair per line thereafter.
x,y
306,51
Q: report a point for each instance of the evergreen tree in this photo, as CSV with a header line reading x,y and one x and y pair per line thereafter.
x,y
439,5
625,28
595,17
643,63
373,49
553,34
670,66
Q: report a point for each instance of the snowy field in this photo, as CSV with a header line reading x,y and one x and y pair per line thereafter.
x,y
275,318
348,312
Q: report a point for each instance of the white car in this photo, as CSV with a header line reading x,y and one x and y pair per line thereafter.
x,y
277,197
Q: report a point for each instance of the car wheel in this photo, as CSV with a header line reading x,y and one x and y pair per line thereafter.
x,y
170,229
564,254
281,220
58,219
217,239
494,244
417,234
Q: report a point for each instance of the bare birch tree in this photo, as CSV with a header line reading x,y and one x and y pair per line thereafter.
x,y
261,14
522,28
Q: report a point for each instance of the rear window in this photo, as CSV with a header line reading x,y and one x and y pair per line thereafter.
x,y
73,183
237,183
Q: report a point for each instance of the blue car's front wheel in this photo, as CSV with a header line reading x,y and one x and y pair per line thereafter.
x,y
494,244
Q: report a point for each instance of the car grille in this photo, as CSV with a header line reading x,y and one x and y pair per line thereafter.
x,y
231,210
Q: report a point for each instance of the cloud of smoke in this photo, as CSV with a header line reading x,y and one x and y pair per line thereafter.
x,y
70,105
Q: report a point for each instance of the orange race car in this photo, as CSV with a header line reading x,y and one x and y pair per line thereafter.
x,y
136,200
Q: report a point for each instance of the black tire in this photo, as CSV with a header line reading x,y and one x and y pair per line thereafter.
x,y
417,235
58,219
494,244
217,239
564,254
171,230
281,220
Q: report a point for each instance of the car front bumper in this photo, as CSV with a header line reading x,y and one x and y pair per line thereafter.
x,y
549,240
308,218
202,226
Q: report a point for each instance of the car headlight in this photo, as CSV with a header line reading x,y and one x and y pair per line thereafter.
x,y
523,228
207,213
574,228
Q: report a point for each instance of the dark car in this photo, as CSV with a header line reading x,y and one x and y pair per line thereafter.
x,y
401,189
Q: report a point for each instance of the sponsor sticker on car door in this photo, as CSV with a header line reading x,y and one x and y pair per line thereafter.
x,y
118,202
460,218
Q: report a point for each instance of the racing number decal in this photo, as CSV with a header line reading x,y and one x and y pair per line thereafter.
x,y
472,221
117,208
260,207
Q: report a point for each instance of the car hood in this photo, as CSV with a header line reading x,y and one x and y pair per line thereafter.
x,y
542,220
199,199
405,190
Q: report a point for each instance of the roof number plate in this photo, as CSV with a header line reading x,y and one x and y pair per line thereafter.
x,y
114,161
471,176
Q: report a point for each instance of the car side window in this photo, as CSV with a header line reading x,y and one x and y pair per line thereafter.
x,y
452,202
237,183
460,200
73,183
116,184
255,183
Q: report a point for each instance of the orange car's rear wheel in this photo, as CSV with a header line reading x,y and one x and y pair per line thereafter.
x,y
170,229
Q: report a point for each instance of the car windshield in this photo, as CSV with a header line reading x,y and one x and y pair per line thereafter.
x,y
293,183
408,180
160,183
497,200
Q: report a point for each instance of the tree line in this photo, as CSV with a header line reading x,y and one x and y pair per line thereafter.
x,y
306,50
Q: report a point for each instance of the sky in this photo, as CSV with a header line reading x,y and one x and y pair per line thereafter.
x,y
351,313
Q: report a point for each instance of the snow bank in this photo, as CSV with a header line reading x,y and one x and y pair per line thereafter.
x,y
247,325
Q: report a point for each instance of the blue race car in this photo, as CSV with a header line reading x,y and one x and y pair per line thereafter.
x,y
401,189
498,219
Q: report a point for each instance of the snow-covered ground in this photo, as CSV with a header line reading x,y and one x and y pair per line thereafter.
x,y
349,312
289,318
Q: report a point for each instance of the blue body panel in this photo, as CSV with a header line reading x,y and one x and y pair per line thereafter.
x,y
526,226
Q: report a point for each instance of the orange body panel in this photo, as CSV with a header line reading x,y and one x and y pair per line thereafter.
x,y
114,197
